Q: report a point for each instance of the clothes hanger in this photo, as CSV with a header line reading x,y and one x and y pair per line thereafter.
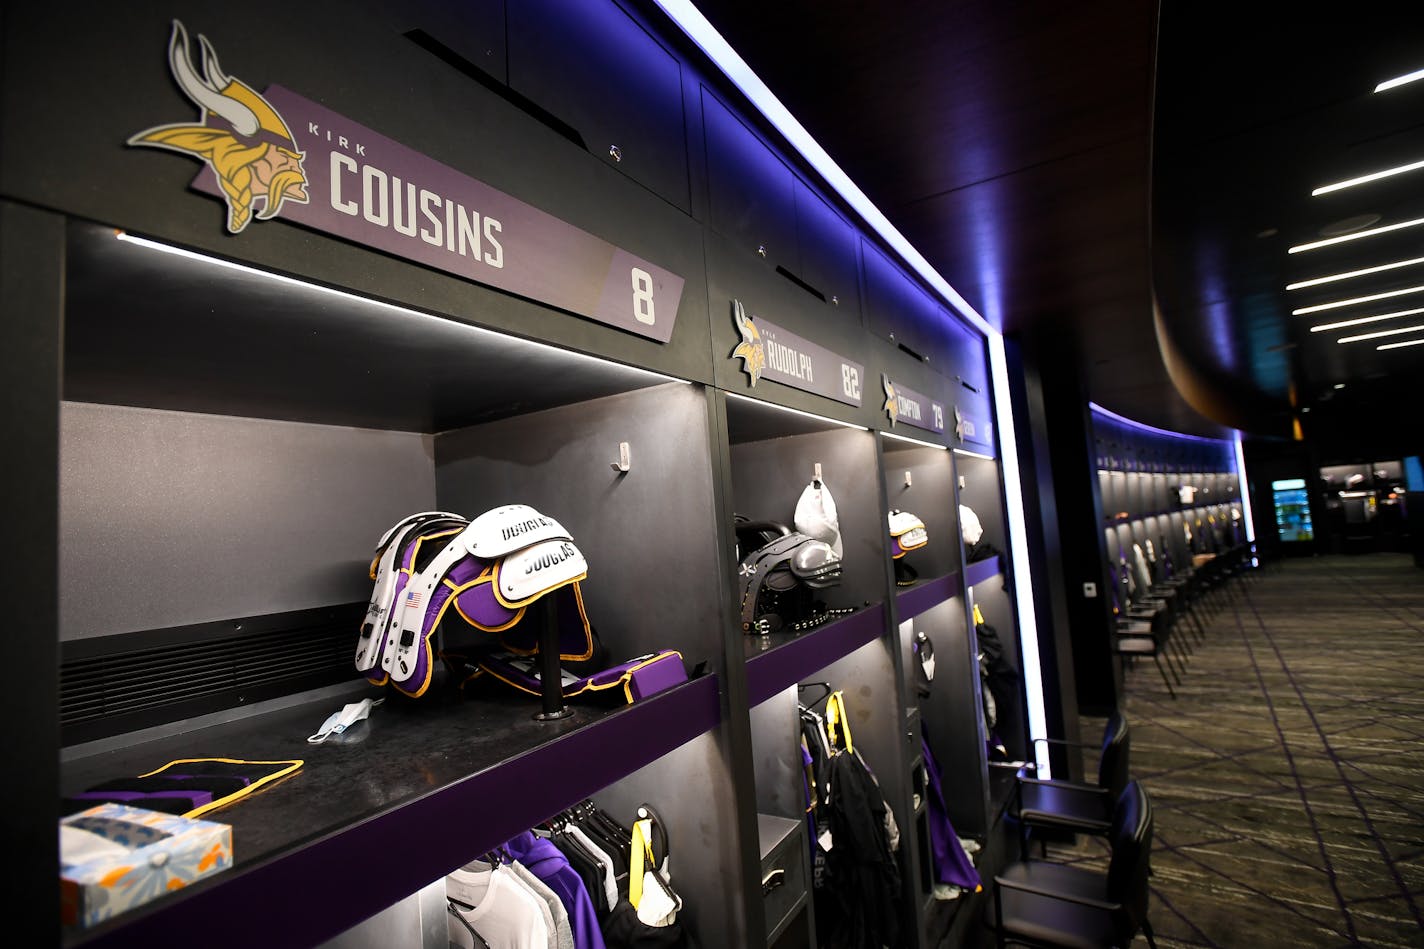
x,y
826,686
451,908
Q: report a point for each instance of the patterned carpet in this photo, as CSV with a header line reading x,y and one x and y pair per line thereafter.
x,y
1287,776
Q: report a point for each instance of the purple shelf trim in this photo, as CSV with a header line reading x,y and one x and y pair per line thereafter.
x,y
321,890
926,596
784,665
977,573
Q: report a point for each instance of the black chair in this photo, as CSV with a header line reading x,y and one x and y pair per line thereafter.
x,y
1072,806
1136,638
1043,904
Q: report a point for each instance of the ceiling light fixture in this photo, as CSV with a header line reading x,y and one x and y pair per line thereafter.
x,y
1365,319
1339,385
1353,300
1366,179
1354,273
1378,333
1407,342
1313,245
1400,80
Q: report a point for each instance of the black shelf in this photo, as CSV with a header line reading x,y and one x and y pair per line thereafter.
x,y
926,595
1166,512
981,570
433,783
780,660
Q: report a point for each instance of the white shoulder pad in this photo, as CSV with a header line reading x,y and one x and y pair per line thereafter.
x,y
903,521
527,575
914,538
501,530
386,537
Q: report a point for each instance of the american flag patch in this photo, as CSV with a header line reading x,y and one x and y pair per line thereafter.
x,y
412,599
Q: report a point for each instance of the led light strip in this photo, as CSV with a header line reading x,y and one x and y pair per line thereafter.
x,y
368,301
1353,300
1018,552
1244,487
973,454
791,411
1354,273
1143,426
1400,80
1365,319
1408,342
1365,179
1364,336
914,441
1372,232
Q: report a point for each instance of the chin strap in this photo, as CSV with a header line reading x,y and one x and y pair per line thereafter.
x,y
836,716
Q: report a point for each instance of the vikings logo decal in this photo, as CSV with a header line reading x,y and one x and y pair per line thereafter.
x,y
958,424
750,350
238,134
891,406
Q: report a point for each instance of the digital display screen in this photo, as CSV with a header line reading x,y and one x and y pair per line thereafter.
x,y
1292,504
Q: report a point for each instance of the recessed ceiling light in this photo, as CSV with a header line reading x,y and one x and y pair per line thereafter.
x,y
1339,385
1400,80
1355,235
1365,179
1407,342
1365,319
1354,273
1305,409
1369,299
1377,334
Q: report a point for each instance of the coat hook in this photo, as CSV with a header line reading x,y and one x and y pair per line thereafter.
x,y
908,480
816,478
625,459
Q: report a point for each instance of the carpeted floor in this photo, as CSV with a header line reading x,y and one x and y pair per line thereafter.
x,y
1287,777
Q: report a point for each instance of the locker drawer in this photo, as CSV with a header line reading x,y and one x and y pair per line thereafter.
x,y
783,870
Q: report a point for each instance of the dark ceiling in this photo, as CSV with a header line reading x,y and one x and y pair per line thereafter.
x,y
1068,166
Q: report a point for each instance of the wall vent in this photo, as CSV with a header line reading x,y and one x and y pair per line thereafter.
x,y
115,684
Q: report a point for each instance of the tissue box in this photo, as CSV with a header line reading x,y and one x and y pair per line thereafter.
x,y
113,858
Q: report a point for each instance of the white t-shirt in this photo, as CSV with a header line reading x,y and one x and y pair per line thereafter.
x,y
505,912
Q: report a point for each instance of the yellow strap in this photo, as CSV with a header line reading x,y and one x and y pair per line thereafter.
x,y
291,765
836,715
978,616
642,836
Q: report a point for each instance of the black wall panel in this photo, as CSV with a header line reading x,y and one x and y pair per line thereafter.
x,y
623,93
751,193
472,29
829,250
896,308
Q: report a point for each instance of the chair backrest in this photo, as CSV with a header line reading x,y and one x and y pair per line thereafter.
x,y
1129,866
1112,764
